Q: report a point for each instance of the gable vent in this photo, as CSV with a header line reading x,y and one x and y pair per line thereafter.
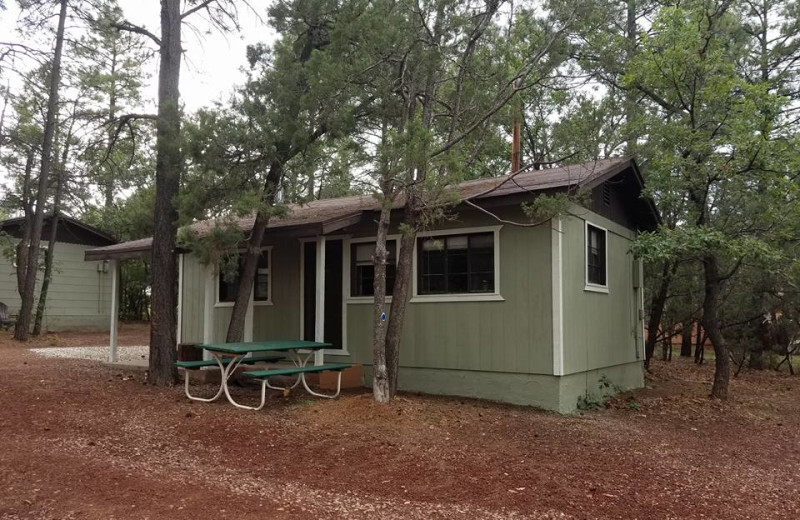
x,y
606,194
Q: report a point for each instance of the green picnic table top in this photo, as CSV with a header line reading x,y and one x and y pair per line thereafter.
x,y
265,346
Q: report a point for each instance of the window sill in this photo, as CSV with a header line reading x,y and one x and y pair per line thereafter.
x,y
262,303
596,288
365,299
450,298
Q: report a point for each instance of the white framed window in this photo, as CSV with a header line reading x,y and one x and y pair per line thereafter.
x,y
262,283
596,256
457,265
360,270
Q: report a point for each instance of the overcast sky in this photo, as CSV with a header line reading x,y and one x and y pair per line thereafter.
x,y
212,61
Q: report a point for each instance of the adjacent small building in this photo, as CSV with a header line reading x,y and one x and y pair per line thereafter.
x,y
79,293
539,315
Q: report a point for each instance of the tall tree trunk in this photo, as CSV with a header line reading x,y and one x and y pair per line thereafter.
x,y
22,327
242,302
418,172
285,151
657,311
23,246
60,171
108,188
49,255
686,339
169,163
381,389
711,324
401,293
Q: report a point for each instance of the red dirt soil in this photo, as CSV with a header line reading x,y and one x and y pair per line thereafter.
x,y
85,440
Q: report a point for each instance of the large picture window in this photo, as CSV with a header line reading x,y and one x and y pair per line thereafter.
x,y
456,264
595,256
362,268
228,288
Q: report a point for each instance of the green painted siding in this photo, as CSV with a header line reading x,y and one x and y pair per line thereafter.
x,y
193,300
514,335
281,320
523,389
79,295
600,330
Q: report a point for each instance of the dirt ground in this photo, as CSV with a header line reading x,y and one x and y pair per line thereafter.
x,y
82,440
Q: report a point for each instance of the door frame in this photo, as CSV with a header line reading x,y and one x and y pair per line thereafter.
x,y
345,240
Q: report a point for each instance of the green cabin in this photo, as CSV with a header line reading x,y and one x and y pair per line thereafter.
x,y
79,292
535,315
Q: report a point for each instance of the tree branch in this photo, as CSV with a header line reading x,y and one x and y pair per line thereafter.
x,y
127,26
198,7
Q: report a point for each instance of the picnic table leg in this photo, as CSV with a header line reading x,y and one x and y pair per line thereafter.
x,y
338,386
195,398
223,375
301,362
227,372
298,362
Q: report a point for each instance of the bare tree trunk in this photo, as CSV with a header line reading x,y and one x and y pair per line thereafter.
x,y
711,304
22,327
254,241
169,163
381,389
60,172
23,245
108,188
401,294
657,311
239,312
51,246
686,339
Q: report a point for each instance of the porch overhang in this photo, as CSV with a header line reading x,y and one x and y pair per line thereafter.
x,y
141,249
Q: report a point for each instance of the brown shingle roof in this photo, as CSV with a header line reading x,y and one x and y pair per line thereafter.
x,y
329,212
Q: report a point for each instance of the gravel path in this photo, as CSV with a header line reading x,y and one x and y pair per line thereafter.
x,y
126,354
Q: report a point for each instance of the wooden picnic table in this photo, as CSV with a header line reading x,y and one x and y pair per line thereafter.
x,y
228,356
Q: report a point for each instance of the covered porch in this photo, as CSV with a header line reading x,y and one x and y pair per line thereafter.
x,y
306,259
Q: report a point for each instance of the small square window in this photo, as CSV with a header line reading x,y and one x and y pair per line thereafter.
x,y
227,289
362,268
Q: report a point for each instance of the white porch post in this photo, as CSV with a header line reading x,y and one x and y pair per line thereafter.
x,y
319,325
557,263
113,357
248,318
208,309
179,325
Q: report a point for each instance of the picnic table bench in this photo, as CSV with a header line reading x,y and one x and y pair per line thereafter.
x,y
228,356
